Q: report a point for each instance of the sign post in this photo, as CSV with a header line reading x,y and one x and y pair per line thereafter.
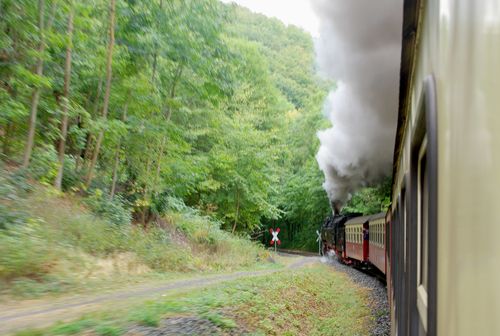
x,y
275,240
318,239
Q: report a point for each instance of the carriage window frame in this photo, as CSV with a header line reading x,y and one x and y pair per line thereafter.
x,y
422,189
424,146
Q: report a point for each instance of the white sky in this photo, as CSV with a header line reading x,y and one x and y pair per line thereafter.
x,y
296,12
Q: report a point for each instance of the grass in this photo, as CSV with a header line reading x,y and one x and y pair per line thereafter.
x,y
52,244
311,301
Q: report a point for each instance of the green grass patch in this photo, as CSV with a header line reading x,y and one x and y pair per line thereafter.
x,y
220,320
108,330
310,301
73,328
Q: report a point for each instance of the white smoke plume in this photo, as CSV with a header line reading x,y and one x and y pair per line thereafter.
x,y
360,48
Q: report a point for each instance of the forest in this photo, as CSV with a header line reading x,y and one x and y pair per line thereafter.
x,y
141,107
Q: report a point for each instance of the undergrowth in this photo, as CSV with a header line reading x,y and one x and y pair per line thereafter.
x,y
54,240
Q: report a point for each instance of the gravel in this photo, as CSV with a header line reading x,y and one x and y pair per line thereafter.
x,y
377,299
187,325
184,325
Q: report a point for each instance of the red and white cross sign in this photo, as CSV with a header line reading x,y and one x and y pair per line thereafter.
x,y
275,239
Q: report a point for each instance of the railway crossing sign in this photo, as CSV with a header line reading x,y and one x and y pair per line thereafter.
x,y
319,241
275,240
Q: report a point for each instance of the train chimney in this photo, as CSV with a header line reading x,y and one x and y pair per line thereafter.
x,y
336,206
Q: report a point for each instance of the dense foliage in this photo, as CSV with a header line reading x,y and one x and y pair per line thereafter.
x,y
370,200
142,105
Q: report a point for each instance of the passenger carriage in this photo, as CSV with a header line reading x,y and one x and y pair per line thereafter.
x,y
377,245
356,236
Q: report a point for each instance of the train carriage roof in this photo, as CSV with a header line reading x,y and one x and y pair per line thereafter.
x,y
377,216
358,220
364,219
411,22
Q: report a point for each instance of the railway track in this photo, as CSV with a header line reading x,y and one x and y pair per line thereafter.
x,y
296,252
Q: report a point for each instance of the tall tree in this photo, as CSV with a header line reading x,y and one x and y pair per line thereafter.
x,y
35,98
118,149
65,102
107,92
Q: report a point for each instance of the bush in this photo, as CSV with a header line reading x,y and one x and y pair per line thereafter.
x,y
113,210
218,249
162,203
23,253
44,164
13,188
70,177
93,235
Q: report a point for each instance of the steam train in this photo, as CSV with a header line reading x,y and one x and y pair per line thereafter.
x,y
440,235
357,240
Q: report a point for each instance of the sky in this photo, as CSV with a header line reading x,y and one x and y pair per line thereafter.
x,y
296,12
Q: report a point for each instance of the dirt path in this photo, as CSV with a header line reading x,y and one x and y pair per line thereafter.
x,y
42,314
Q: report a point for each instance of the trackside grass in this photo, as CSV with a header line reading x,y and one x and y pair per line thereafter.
x,y
309,301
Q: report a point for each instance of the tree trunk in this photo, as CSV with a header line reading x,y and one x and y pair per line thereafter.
x,y
117,153
146,191
177,77
115,170
155,53
35,96
67,80
160,157
237,211
107,90
86,151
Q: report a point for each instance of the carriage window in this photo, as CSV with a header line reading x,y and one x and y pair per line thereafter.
x,y
423,217
378,233
383,234
422,190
